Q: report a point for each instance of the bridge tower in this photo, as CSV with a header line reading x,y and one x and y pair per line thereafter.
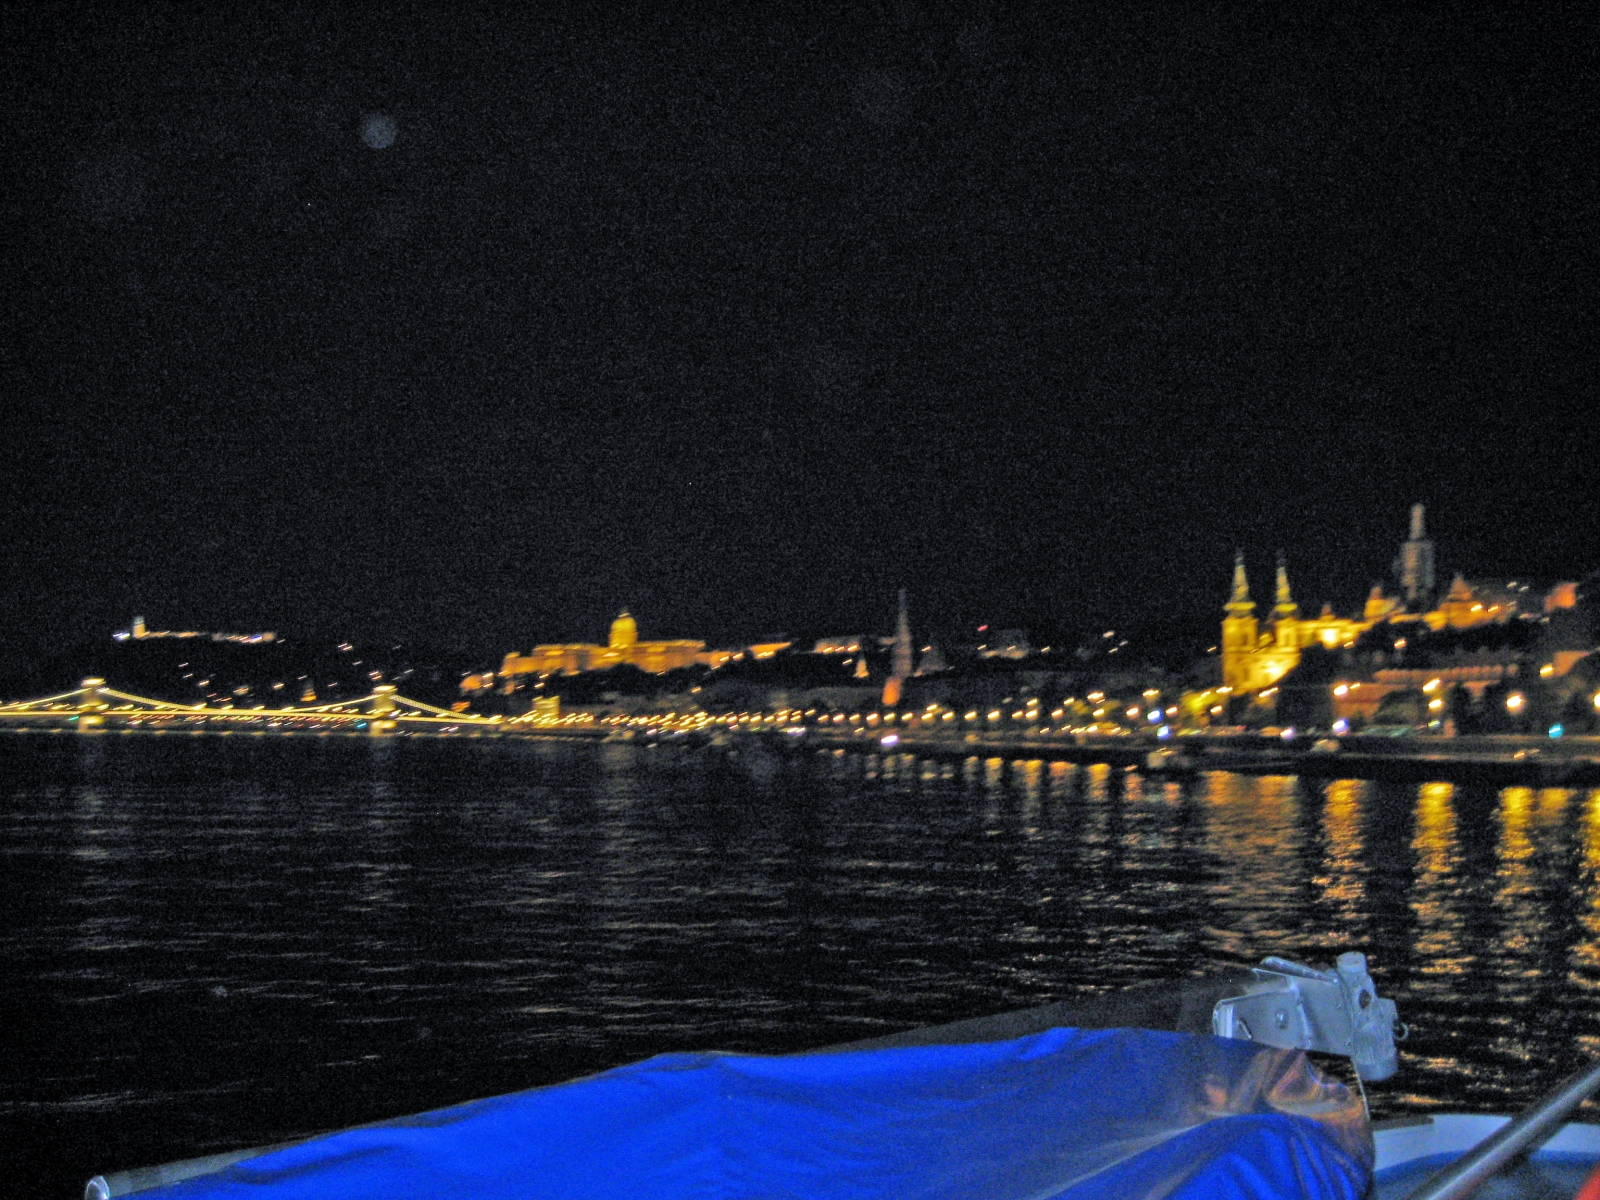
x,y
91,709
382,711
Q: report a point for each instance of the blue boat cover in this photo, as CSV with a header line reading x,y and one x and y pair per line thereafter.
x,y
1118,1114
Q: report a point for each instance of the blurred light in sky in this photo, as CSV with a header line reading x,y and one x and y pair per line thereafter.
x,y
378,130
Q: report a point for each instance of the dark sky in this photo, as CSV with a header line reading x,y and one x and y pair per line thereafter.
x,y
748,317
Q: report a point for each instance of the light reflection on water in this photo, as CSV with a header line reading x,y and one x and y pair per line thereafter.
x,y
220,943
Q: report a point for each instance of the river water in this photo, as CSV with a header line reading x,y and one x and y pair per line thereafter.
x,y
218,941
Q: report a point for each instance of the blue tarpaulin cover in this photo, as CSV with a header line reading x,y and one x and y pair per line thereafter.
x,y
1119,1114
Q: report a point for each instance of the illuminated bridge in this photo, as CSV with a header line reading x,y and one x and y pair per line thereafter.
x,y
94,707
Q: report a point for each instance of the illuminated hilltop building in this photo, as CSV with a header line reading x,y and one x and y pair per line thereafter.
x,y
622,648
140,632
1253,657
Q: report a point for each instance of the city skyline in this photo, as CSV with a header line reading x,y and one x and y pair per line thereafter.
x,y
1399,592
1414,576
437,327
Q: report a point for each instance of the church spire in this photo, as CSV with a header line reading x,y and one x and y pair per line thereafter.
x,y
902,640
1239,629
900,662
1285,610
1240,604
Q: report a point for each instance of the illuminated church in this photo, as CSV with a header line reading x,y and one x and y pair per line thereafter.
x,y
1256,657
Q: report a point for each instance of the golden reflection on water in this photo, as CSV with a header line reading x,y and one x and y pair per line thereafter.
x,y
994,774
1591,833
1029,779
1472,902
1437,945
1585,956
1253,838
1095,819
1133,786
1063,780
872,892
1515,897
1501,882
1341,878
1098,782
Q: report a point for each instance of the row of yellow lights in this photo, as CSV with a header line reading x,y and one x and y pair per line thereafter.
x,y
789,717
1514,702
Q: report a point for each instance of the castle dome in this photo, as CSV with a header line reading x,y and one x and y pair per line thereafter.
x,y
624,632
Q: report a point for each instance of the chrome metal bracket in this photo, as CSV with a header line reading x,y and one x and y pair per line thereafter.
x,y
1298,1007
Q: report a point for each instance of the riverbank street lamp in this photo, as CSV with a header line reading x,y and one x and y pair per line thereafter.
x,y
1515,701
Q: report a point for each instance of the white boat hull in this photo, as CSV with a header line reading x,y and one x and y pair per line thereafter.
x,y
1412,1148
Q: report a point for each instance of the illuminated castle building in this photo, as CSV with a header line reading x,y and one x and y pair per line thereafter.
x,y
1253,657
623,648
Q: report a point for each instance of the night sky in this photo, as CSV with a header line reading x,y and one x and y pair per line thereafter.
x,y
471,326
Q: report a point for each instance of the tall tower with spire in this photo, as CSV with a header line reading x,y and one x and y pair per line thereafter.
x,y
900,661
1414,565
1285,612
1239,630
